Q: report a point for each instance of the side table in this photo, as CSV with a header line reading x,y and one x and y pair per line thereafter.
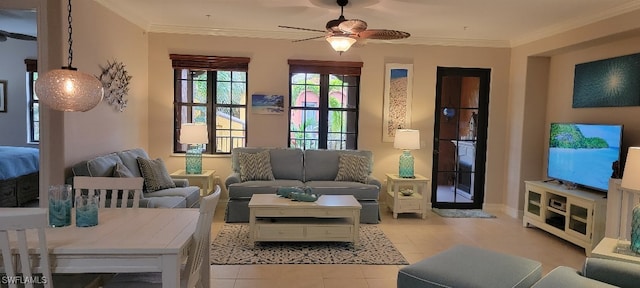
x,y
608,249
205,180
414,203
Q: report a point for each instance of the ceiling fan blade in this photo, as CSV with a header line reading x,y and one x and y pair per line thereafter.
x,y
17,36
311,38
305,29
353,26
383,34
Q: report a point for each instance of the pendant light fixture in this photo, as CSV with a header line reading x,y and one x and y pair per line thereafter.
x,y
67,89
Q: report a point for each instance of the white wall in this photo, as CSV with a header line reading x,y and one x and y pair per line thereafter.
x,y
13,123
269,73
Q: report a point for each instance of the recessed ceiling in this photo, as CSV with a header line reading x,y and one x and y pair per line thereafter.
x,y
461,22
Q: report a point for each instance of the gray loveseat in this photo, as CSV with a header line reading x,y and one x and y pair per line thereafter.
x,y
182,196
294,167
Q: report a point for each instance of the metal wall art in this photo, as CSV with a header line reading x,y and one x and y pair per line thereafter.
x,y
612,82
115,81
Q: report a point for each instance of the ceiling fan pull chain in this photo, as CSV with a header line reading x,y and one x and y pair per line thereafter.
x,y
70,59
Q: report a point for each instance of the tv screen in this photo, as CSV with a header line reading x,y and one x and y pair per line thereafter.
x,y
584,154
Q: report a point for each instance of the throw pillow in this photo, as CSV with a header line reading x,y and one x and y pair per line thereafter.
x,y
121,171
155,174
353,168
255,166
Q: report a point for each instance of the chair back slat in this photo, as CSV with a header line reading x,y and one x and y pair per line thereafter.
x,y
124,188
18,221
201,239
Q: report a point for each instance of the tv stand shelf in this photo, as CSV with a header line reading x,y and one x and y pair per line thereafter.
x,y
575,215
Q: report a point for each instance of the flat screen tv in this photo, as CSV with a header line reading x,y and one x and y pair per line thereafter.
x,y
584,154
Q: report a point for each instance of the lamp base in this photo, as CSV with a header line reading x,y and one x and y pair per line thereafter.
x,y
406,165
635,230
193,160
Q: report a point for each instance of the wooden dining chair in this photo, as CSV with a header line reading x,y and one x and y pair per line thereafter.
x,y
198,252
25,268
123,189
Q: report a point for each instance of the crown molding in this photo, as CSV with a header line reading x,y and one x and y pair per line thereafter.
x,y
126,14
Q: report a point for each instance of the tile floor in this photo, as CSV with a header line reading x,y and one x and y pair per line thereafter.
x,y
416,239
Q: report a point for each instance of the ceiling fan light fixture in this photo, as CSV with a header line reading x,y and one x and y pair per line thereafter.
x,y
67,89
340,43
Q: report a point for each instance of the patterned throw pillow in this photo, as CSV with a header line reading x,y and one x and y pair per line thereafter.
x,y
255,166
353,168
155,174
121,171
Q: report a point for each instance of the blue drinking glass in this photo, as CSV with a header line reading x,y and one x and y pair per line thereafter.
x,y
86,210
59,205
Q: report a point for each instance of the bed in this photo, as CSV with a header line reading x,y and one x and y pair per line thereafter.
x,y
19,168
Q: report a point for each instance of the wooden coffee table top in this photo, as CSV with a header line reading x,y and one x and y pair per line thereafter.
x,y
324,201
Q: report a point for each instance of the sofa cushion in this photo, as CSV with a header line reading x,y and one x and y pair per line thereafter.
x,y
323,164
191,194
255,166
566,277
122,171
166,202
130,159
286,163
103,166
359,190
352,168
247,189
156,176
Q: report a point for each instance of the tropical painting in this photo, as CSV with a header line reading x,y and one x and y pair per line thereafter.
x,y
267,104
397,99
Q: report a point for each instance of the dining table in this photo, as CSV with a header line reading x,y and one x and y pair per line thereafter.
x,y
127,240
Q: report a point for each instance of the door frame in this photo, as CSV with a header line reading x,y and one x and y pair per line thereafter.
x,y
481,138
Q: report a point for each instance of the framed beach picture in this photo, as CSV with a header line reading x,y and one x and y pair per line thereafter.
x,y
267,104
3,95
398,80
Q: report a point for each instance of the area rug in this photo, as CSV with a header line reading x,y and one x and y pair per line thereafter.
x,y
462,213
231,247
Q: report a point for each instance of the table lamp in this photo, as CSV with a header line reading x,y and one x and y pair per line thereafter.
x,y
631,181
406,139
194,135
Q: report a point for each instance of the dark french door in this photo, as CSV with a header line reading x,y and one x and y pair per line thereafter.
x,y
462,106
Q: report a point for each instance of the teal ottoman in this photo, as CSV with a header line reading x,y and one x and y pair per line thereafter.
x,y
466,266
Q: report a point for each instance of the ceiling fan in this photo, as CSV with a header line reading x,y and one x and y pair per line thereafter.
x,y
341,33
5,34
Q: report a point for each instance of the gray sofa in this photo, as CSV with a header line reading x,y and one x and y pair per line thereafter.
x,y
468,266
294,167
182,196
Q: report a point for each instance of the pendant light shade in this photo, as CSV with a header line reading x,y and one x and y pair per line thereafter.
x,y
340,43
69,90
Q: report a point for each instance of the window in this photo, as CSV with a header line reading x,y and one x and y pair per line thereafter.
x,y
211,90
33,104
323,104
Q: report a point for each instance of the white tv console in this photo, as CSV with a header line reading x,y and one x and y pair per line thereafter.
x,y
575,215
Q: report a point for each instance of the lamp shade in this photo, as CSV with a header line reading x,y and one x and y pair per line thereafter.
x,y
194,133
631,176
407,139
69,90
341,43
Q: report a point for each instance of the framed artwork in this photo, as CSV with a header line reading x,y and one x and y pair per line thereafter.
x,y
267,104
3,95
398,81
612,82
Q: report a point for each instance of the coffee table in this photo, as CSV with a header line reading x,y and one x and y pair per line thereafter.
x,y
330,218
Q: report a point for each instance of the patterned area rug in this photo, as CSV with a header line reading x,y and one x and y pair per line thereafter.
x,y
462,213
231,247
